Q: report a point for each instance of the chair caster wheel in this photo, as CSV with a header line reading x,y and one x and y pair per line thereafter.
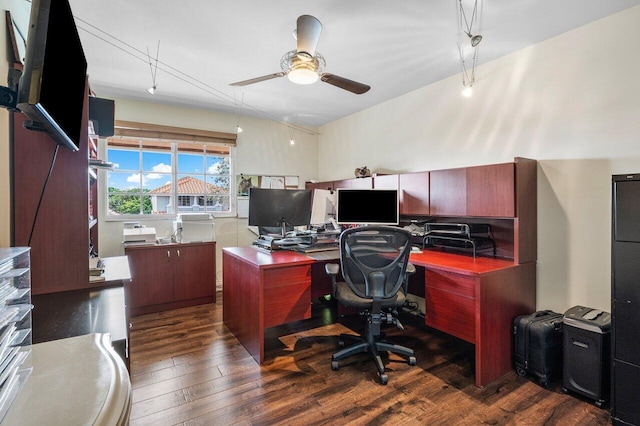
x,y
383,379
340,344
411,360
521,372
334,365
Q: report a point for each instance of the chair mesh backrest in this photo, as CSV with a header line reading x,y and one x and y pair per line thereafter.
x,y
374,259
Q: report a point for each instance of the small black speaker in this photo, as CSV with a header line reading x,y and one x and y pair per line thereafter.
x,y
102,113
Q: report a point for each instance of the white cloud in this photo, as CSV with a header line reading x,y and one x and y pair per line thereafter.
x,y
162,168
214,168
135,178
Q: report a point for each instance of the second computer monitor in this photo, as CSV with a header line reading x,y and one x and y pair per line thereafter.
x,y
279,207
367,207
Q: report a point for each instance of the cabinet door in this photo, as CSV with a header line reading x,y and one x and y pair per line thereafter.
x,y
151,276
361,183
385,182
448,192
491,190
414,193
195,271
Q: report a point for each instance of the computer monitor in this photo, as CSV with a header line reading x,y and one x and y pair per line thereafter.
x,y
279,207
324,206
367,207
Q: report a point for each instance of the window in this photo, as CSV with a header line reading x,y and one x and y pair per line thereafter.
x,y
154,178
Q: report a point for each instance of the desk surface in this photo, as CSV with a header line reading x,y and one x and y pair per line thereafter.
x,y
452,262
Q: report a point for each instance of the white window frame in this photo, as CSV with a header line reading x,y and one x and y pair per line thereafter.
x,y
174,178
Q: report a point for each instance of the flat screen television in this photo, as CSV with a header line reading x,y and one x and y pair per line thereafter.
x,y
367,207
51,91
279,207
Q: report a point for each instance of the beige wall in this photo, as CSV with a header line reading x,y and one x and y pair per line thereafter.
x,y
571,102
19,13
262,148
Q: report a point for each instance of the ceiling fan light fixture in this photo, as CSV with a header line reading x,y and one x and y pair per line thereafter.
x,y
302,75
302,68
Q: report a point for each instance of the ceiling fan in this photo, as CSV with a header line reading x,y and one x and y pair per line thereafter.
x,y
305,65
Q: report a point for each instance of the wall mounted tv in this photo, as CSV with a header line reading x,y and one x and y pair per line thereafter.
x,y
367,207
51,91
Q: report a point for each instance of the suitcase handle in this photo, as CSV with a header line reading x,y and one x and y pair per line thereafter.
x,y
542,313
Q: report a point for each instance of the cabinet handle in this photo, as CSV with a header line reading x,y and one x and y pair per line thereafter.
x,y
168,255
178,254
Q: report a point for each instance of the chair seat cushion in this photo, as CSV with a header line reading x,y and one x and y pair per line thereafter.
x,y
349,298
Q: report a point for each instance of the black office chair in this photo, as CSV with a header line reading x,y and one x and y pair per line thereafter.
x,y
375,265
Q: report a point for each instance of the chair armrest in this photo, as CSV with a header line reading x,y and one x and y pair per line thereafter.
x,y
332,268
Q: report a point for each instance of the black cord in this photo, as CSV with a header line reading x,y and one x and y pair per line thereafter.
x,y
35,217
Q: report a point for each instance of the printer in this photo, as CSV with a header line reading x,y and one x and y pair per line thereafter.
x,y
139,235
194,227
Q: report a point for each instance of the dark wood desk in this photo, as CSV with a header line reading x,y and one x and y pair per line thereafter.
x,y
475,299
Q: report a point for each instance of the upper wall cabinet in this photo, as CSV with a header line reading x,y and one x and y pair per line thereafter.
x,y
385,182
448,192
356,183
491,190
484,191
414,193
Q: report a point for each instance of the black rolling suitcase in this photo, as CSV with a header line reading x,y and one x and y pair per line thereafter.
x,y
538,345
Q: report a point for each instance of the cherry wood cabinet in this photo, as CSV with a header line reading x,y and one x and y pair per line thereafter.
x,y
170,276
355,183
491,190
60,240
385,182
480,191
414,193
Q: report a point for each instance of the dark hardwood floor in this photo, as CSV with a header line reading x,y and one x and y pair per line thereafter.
x,y
188,369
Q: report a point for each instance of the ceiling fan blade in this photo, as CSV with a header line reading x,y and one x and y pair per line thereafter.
x,y
259,79
308,32
345,83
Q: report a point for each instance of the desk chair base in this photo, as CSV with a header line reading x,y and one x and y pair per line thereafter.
x,y
374,345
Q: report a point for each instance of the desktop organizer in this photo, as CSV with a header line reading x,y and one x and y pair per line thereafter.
x,y
459,235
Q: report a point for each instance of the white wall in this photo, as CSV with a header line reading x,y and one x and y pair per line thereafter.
x,y
571,102
263,148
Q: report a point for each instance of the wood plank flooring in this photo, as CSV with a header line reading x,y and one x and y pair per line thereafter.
x,y
188,369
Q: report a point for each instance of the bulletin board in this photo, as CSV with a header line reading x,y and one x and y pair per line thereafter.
x,y
246,181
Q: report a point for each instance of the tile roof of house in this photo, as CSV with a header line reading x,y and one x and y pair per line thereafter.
x,y
189,185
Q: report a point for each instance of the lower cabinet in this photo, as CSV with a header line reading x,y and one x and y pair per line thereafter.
x,y
170,276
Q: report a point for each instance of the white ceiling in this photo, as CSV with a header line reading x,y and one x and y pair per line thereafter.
x,y
395,47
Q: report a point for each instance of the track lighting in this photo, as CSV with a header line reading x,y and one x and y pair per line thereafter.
x,y
154,70
238,129
466,27
475,39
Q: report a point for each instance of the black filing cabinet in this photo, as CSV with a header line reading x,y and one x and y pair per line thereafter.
x,y
586,336
625,299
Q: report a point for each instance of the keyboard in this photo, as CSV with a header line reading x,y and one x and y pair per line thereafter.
x,y
316,248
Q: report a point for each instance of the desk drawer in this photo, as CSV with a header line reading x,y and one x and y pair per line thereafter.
x,y
448,281
450,304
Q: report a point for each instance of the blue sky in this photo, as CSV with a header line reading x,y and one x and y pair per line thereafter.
x,y
156,168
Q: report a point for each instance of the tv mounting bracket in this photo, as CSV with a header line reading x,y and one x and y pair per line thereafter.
x,y
8,98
